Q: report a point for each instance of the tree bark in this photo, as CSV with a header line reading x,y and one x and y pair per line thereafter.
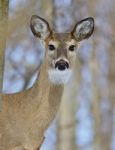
x,y
3,32
4,5
66,119
67,123
95,102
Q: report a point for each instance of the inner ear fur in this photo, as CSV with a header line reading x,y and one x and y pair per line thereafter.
x,y
40,27
83,29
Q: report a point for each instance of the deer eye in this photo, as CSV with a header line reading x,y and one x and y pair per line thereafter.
x,y
51,47
72,47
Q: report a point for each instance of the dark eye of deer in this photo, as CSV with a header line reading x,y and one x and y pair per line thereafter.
x,y
51,47
72,48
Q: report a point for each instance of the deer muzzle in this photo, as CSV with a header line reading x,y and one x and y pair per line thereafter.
x,y
61,65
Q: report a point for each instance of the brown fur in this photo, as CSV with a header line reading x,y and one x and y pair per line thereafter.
x,y
26,115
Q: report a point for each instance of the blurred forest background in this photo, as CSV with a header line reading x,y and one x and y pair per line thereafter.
x,y
86,120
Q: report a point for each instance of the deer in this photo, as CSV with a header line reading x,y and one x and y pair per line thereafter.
x,y
26,115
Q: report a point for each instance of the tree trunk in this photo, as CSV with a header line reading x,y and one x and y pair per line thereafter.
x,y
4,5
67,123
66,119
95,101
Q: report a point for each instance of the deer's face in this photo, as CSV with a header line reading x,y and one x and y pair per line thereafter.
x,y
61,48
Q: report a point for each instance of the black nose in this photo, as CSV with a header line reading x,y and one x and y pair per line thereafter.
x,y
62,65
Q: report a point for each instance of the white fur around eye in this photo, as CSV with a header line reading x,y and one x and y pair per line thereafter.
x,y
53,43
59,77
72,42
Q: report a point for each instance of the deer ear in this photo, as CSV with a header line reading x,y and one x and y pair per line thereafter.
x,y
40,27
83,29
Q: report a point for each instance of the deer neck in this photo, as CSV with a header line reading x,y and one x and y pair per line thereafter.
x,y
52,92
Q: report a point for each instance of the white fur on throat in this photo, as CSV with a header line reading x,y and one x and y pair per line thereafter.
x,y
59,77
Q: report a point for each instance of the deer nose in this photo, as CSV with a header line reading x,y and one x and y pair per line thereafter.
x,y
61,65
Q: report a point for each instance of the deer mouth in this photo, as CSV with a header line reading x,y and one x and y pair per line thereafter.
x,y
59,77
62,65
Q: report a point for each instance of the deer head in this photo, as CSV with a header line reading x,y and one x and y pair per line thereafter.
x,y
61,48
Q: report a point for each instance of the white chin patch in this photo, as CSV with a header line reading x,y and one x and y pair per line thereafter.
x,y
59,77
